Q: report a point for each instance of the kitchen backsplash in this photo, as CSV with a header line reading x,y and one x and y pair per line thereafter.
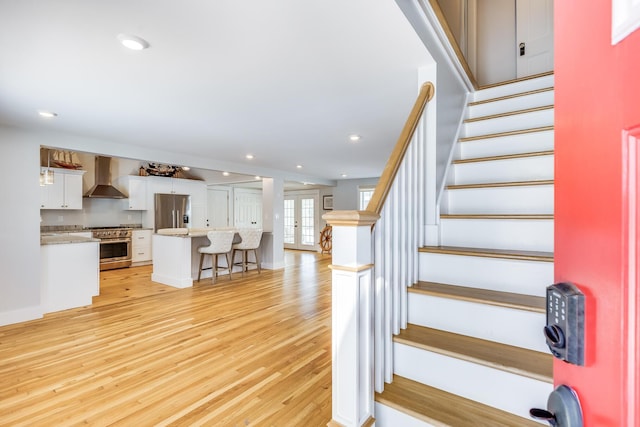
x,y
94,213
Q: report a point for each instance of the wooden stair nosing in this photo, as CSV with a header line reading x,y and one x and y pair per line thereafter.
x,y
490,253
508,358
515,95
500,184
520,79
509,113
498,216
505,157
441,408
506,133
482,296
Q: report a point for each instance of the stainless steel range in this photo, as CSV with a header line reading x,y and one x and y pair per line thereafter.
x,y
115,246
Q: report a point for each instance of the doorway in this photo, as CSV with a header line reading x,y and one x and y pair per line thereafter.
x,y
301,220
218,207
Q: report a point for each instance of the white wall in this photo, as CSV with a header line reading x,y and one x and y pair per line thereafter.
x,y
19,227
496,41
345,194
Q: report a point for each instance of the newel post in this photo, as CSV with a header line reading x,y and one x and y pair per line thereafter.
x,y
352,318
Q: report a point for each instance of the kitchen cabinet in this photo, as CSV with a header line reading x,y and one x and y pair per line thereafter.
x,y
194,188
65,192
136,189
141,247
69,274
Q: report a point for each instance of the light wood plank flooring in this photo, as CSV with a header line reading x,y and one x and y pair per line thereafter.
x,y
247,352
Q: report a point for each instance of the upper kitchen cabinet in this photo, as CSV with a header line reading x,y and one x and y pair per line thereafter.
x,y
65,192
136,189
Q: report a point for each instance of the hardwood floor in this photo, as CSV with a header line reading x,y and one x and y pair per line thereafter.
x,y
247,352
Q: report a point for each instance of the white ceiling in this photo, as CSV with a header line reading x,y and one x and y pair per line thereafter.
x,y
284,80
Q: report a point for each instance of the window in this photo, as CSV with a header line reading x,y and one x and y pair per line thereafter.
x,y
364,195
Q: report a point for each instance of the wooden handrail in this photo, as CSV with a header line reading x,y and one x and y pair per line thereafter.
x,y
393,164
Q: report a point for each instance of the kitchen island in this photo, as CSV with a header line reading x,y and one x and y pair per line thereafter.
x,y
176,259
70,271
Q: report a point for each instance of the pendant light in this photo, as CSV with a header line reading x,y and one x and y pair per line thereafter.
x,y
48,174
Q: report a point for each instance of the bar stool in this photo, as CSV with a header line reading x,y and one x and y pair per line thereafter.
x,y
221,241
250,242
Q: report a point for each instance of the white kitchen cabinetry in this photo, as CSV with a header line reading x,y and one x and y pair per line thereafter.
x,y
136,189
141,247
70,275
65,192
196,189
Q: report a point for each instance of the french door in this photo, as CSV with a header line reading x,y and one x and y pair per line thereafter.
x,y
301,221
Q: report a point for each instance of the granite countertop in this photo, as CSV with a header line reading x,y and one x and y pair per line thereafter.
x,y
192,232
64,238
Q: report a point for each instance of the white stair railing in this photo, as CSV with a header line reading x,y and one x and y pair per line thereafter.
x,y
374,261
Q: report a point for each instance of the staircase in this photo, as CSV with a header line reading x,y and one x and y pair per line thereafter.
x,y
473,353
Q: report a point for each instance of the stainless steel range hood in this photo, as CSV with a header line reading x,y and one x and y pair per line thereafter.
x,y
103,188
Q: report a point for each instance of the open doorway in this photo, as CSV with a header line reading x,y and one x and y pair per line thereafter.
x,y
301,220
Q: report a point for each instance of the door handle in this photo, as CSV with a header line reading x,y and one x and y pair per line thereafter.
x,y
522,49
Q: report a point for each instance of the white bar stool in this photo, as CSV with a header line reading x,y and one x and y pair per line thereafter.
x,y
250,242
221,241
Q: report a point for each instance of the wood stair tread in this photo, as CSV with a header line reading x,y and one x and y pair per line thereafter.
x,y
509,113
500,184
490,253
506,133
515,360
441,408
482,296
515,95
497,216
505,157
519,79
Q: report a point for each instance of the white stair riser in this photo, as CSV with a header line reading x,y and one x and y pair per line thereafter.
x,y
513,144
511,89
511,393
390,417
507,275
519,234
533,199
539,99
534,168
510,326
522,121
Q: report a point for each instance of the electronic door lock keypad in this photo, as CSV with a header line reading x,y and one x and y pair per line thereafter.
x,y
564,331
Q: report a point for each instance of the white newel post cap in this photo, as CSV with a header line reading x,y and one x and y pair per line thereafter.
x,y
350,218
351,237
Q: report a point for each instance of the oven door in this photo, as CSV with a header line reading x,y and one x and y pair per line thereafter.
x,y
115,253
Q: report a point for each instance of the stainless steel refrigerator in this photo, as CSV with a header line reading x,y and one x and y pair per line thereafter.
x,y
172,210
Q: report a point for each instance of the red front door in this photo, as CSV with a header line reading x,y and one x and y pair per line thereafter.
x,y
597,140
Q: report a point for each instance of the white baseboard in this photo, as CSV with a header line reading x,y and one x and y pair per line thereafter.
x,y
21,315
272,265
172,281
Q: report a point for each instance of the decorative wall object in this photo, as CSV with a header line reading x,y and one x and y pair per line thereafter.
x,y
327,203
157,169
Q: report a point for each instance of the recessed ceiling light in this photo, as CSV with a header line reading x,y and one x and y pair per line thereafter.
x,y
354,137
344,175
258,177
133,42
249,156
225,173
47,114
299,166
